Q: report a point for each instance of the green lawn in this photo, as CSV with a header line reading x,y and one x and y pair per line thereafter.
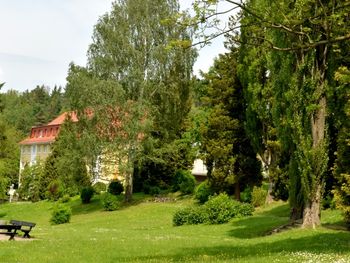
x,y
144,233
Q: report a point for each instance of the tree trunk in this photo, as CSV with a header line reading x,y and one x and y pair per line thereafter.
x,y
311,213
128,186
312,210
237,191
269,197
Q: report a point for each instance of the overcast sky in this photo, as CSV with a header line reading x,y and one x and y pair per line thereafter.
x,y
39,38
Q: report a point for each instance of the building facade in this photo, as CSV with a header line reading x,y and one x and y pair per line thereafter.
x,y
37,146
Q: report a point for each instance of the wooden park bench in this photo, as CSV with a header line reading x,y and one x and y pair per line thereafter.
x,y
11,230
25,227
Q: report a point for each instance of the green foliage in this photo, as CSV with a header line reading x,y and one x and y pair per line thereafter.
x,y
203,192
86,194
154,190
115,187
61,214
342,197
30,188
184,182
190,216
65,199
258,196
55,190
110,202
99,187
219,209
246,195
4,185
228,154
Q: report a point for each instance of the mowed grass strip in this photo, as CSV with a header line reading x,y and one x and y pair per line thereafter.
x,y
144,232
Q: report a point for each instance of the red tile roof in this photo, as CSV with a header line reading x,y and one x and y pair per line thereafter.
x,y
41,140
47,133
60,119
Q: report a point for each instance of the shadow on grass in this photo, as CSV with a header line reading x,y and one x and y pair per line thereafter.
x,y
96,205
260,224
337,243
340,225
79,208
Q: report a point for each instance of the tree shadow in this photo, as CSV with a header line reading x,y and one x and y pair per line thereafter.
x,y
261,224
337,243
79,208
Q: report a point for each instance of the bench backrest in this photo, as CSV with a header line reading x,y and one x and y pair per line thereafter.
x,y
22,223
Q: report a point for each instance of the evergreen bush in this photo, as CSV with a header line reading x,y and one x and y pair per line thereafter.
x,y
184,182
61,214
115,187
86,194
109,202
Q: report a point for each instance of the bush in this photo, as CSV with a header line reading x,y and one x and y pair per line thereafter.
x,y
154,190
190,216
328,202
61,214
218,210
86,194
109,202
64,199
342,197
258,196
184,182
115,188
99,187
246,195
242,209
203,191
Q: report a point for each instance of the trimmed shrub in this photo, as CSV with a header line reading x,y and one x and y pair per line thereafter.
x,y
110,202
258,196
86,194
99,187
115,188
203,191
61,214
184,182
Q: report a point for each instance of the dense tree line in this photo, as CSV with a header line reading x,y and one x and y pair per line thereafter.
x,y
290,52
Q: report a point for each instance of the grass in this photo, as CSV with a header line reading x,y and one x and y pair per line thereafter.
x,y
143,232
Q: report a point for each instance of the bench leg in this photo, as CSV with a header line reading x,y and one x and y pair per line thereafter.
x,y
26,234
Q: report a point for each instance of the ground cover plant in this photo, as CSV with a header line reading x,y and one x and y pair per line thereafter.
x,y
143,232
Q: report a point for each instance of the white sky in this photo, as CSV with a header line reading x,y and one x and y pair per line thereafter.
x,y
39,38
